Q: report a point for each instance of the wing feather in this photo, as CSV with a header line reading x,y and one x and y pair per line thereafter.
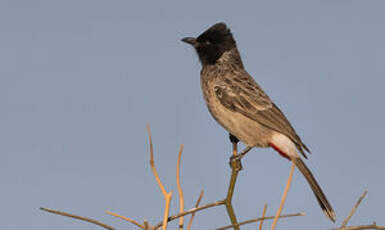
x,y
240,93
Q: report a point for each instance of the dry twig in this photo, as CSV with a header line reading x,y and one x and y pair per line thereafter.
x,y
146,225
284,196
354,209
361,227
132,221
167,196
180,191
193,210
86,219
263,215
152,163
193,215
260,219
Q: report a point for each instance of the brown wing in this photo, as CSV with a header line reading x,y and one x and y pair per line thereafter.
x,y
240,93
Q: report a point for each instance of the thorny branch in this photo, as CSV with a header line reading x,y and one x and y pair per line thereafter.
x,y
236,166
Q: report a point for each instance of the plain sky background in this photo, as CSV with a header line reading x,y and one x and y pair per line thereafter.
x,y
79,80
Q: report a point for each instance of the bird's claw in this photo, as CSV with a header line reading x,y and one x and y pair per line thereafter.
x,y
235,162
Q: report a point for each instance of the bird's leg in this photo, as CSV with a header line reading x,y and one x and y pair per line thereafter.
x,y
234,140
235,161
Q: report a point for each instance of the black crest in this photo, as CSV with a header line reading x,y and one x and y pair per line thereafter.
x,y
214,42
217,34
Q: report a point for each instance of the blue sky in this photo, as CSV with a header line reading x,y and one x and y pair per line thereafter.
x,y
79,80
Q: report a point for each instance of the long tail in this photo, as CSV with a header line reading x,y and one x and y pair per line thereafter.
x,y
322,200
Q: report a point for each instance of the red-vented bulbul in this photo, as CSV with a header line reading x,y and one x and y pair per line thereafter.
x,y
240,105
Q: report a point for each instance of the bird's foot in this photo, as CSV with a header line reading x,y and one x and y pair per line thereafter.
x,y
235,162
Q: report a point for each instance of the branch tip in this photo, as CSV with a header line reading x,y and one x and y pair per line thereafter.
x,y
354,209
263,215
180,191
85,219
132,221
284,196
196,206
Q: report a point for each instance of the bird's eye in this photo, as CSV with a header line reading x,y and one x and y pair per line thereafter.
x,y
207,42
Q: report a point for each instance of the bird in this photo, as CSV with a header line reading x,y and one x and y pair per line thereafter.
x,y
239,104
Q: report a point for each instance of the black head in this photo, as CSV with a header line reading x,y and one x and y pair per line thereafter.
x,y
212,43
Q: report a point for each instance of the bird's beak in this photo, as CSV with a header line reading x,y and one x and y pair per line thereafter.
x,y
190,40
